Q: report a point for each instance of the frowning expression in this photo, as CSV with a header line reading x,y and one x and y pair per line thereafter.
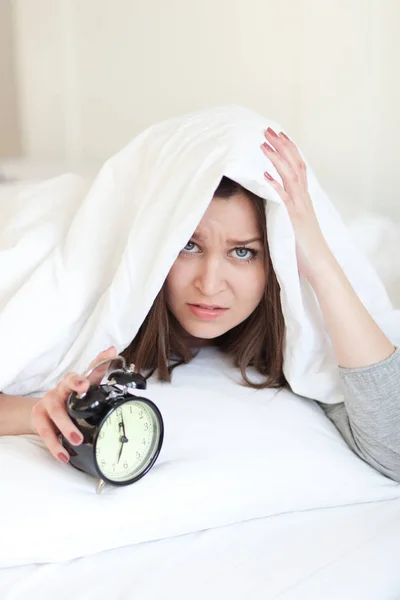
x,y
218,278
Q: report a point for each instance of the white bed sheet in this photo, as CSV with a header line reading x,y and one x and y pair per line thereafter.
x,y
346,553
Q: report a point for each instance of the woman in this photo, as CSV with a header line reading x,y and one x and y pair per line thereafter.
x,y
222,291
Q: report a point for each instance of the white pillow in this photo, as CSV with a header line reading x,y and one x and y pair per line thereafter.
x,y
230,454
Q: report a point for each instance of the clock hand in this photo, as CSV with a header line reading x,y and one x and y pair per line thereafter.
x,y
120,452
123,426
123,439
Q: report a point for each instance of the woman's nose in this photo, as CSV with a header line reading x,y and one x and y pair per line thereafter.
x,y
210,280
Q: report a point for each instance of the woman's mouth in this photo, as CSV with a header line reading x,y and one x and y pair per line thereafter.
x,y
204,311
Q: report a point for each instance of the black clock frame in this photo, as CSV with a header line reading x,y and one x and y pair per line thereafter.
x,y
89,411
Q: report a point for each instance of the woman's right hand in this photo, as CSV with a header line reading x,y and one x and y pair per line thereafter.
x,y
49,416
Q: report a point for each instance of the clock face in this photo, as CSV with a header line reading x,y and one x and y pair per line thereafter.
x,y
127,441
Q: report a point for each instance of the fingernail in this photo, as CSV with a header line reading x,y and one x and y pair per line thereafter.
x,y
272,132
75,438
267,147
62,457
285,136
268,176
79,381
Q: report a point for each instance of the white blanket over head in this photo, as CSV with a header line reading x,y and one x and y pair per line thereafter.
x,y
81,265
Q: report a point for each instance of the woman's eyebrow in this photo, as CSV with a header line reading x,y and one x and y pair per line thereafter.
x,y
197,235
243,242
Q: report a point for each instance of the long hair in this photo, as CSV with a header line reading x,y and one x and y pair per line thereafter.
x,y
257,342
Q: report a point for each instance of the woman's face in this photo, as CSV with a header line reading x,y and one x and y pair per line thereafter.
x,y
221,266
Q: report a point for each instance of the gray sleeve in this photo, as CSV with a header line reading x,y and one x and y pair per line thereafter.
x,y
369,417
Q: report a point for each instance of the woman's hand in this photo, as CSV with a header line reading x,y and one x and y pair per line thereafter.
x,y
312,249
49,416
356,338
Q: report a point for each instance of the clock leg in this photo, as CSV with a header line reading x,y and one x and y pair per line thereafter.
x,y
100,486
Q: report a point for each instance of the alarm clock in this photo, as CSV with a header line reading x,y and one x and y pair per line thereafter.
x,y
122,431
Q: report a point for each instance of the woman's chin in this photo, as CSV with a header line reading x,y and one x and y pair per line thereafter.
x,y
207,331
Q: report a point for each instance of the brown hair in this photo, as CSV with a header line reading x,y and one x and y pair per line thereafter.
x,y
258,341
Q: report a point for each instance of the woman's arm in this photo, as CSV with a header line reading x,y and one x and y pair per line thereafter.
x,y
15,414
48,416
369,368
356,338
369,417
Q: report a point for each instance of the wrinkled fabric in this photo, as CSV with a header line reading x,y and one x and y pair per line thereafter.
x,y
81,265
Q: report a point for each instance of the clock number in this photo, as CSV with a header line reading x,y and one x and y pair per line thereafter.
x,y
146,426
144,441
103,463
141,414
137,454
113,467
119,412
126,465
101,435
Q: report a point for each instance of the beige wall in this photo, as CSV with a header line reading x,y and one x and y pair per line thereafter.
x,y
93,73
9,133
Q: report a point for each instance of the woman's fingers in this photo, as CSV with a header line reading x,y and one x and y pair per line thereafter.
x,y
72,382
289,152
283,167
55,405
98,374
50,416
47,431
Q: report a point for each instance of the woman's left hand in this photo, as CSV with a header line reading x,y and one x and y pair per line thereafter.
x,y
312,249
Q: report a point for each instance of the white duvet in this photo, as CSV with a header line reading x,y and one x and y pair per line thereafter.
x,y
80,268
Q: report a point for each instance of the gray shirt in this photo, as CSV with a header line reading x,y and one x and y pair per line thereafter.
x,y
369,417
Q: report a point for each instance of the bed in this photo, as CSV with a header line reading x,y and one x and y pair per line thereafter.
x,y
333,530
347,553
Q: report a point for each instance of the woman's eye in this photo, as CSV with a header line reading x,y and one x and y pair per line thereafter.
x,y
189,247
245,253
